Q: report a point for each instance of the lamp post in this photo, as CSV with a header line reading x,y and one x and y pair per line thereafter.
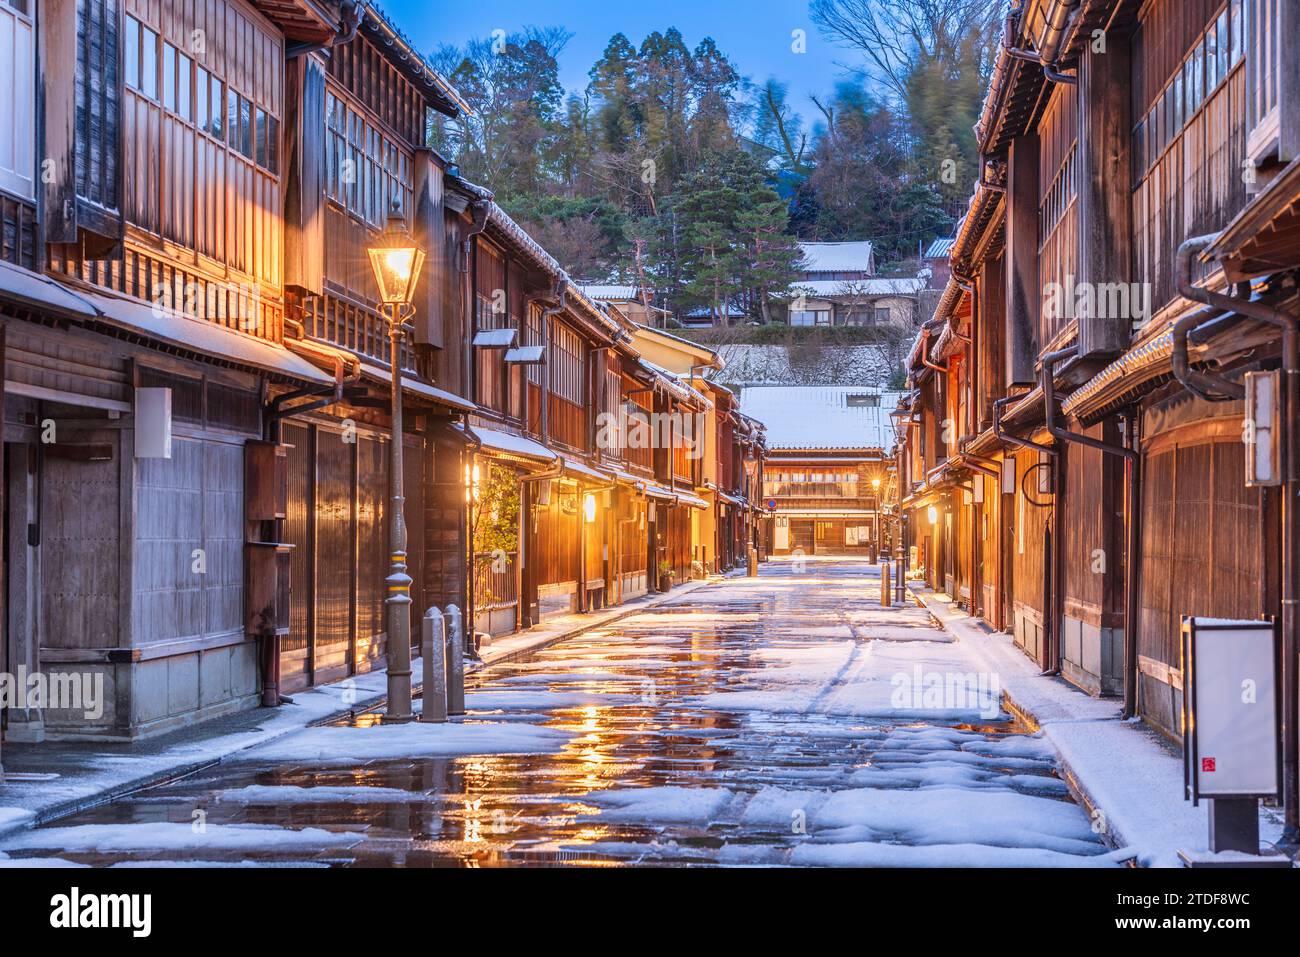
x,y
396,262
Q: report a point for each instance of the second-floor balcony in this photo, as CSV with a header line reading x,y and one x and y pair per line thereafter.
x,y
809,490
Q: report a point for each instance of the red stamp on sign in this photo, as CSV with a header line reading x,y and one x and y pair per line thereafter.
x,y
1207,765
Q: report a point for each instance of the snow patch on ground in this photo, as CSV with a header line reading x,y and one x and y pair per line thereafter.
x,y
162,835
662,805
349,745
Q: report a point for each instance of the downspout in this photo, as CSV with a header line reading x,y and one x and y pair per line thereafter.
x,y
1015,440
476,445
1272,316
925,353
1132,464
1044,58
1204,385
351,13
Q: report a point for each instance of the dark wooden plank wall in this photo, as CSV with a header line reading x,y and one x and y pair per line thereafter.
x,y
17,232
1085,530
1202,551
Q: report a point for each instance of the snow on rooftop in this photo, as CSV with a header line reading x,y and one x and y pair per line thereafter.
x,y
837,257
610,292
860,287
822,417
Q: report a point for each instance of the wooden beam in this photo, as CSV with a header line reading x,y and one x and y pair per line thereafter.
x,y
304,176
58,101
1024,296
1104,176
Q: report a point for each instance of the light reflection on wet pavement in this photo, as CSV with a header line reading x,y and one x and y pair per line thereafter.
x,y
740,768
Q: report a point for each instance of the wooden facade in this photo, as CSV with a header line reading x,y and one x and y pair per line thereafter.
x,y
1098,489
197,370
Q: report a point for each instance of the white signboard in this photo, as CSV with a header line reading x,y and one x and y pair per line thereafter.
x,y
850,535
1230,708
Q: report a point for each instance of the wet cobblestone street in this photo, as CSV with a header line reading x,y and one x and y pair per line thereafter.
x,y
782,720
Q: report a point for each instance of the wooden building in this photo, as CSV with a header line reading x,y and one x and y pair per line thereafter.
x,y
827,463
1082,452
197,371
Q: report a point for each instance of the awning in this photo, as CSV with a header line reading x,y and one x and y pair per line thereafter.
x,y
637,482
526,355
421,389
694,501
510,444
495,338
33,290
730,499
1148,365
582,470
654,490
205,340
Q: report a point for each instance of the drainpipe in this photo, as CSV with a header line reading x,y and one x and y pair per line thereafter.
x,y
925,353
1272,316
1015,440
351,13
1046,56
1132,573
1205,385
1132,463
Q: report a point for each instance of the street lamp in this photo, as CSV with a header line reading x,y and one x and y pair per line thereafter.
x,y
396,262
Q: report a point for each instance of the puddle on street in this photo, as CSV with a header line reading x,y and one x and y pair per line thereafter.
x,y
630,695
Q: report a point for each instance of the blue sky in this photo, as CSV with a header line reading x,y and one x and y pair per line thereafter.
x,y
755,34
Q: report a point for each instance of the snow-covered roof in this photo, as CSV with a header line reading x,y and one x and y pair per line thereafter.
x,y
837,257
837,288
613,293
822,417
706,312
512,444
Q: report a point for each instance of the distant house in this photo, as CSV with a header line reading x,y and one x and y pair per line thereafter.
x,y
730,313
838,286
828,467
633,303
937,266
837,261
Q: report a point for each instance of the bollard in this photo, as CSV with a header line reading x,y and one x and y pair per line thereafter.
x,y
886,586
433,649
455,662
753,562
900,570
